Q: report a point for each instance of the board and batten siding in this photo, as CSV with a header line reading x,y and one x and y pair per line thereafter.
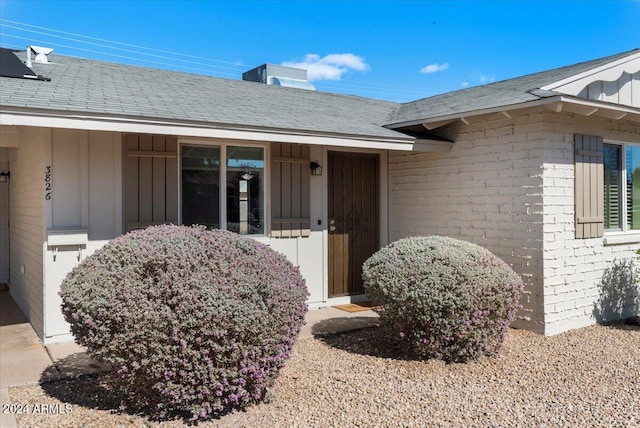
x,y
625,90
150,180
290,192
83,213
589,187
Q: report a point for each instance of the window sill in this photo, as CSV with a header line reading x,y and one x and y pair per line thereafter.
x,y
621,238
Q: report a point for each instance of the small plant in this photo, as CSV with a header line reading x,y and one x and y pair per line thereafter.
x,y
619,294
442,297
190,320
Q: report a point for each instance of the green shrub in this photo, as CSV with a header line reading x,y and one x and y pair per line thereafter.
x,y
190,320
442,297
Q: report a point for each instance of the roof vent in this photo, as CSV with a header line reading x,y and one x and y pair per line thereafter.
x,y
12,66
40,55
280,76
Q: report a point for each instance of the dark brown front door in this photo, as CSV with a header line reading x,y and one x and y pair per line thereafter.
x,y
353,219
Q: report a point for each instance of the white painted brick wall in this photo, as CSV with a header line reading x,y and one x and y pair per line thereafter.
x,y
27,227
573,267
487,190
491,189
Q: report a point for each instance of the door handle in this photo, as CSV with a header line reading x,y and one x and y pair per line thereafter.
x,y
332,225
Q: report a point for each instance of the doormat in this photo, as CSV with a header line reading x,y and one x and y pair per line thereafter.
x,y
357,307
4,287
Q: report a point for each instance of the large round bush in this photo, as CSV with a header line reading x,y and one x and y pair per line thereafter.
x,y
190,320
443,297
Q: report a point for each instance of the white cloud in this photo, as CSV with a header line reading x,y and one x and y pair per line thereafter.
x,y
329,67
479,79
434,68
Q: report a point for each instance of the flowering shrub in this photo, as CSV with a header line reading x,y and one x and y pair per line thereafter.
x,y
190,320
443,297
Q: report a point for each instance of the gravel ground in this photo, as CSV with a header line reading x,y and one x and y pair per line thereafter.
x,y
583,378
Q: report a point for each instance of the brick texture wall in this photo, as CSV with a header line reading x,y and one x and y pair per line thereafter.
x,y
573,268
488,190
27,227
508,185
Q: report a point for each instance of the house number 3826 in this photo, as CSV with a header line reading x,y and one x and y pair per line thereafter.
x,y
47,182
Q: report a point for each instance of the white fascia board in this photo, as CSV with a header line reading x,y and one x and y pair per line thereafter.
x,y
558,99
600,105
115,124
608,72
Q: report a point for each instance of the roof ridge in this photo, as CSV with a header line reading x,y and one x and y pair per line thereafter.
x,y
597,61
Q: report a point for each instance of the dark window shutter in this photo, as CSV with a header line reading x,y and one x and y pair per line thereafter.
x,y
150,180
589,186
290,202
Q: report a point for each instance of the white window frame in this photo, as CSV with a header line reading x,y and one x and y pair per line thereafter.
x,y
623,235
222,145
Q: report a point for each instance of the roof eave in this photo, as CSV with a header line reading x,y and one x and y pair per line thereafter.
x,y
627,64
559,102
471,113
19,116
588,107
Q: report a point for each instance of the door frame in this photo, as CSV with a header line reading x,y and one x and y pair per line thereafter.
x,y
383,213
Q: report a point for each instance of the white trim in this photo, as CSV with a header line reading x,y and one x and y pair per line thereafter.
x,y
609,72
623,235
222,145
222,187
67,236
618,238
598,105
194,130
561,101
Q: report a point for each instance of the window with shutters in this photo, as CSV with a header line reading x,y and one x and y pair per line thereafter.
x,y
607,189
150,180
589,196
612,199
223,187
621,187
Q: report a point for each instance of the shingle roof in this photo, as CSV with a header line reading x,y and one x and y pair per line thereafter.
x,y
503,93
89,86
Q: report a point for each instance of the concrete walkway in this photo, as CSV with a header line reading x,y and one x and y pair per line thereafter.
x,y
24,360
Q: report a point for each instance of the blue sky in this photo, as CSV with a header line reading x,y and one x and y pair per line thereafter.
x,y
392,50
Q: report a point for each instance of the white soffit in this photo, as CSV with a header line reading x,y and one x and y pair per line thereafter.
x,y
608,73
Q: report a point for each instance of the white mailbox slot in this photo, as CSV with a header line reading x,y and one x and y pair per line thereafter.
x,y
67,237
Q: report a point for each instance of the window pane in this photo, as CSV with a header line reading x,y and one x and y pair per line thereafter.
x,y
201,186
633,187
612,188
245,188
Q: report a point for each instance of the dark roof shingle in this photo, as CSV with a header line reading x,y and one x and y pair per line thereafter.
x,y
124,90
504,93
